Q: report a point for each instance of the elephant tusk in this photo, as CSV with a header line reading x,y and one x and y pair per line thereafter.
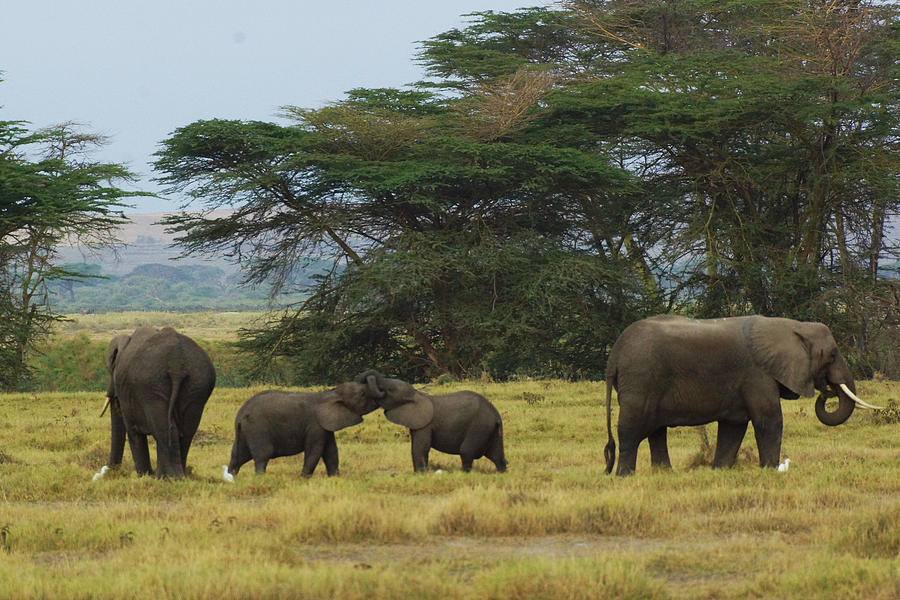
x,y
856,399
105,406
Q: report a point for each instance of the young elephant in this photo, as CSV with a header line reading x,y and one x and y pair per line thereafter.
x,y
275,423
462,423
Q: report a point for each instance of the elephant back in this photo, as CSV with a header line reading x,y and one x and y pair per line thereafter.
x,y
456,409
155,358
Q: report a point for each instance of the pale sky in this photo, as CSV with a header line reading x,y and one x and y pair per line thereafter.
x,y
136,71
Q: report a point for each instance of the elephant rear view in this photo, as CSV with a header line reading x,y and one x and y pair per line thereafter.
x,y
673,371
160,381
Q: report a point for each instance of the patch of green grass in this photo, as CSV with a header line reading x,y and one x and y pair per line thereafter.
x,y
553,526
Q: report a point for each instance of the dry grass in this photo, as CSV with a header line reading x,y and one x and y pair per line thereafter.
x,y
554,526
202,325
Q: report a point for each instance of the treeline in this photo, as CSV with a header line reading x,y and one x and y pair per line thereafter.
x,y
561,173
564,172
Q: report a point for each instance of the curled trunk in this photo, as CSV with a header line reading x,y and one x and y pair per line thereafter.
x,y
840,414
374,390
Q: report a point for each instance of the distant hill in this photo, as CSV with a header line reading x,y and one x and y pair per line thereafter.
x,y
145,241
147,274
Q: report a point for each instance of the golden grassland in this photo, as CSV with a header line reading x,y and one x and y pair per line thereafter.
x,y
554,526
203,325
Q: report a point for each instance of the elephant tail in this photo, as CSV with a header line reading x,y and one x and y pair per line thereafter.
x,y
173,401
610,450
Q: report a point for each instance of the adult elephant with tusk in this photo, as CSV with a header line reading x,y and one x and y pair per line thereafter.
x,y
159,382
671,371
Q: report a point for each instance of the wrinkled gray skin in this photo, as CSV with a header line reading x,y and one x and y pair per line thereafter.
x,y
672,371
462,423
275,423
159,383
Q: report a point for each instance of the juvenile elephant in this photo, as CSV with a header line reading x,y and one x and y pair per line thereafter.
x,y
275,423
159,382
462,423
671,371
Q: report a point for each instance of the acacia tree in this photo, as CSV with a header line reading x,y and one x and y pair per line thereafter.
x,y
775,121
579,168
50,192
454,231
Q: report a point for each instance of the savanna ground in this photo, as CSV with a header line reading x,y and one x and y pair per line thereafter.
x,y
554,526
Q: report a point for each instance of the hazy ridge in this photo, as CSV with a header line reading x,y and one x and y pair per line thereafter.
x,y
144,241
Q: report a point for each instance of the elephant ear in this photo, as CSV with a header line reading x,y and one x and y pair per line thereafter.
x,y
780,348
415,414
333,414
116,346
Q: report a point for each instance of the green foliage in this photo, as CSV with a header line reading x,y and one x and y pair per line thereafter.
x,y
464,303
464,242
772,122
566,172
49,192
70,364
498,44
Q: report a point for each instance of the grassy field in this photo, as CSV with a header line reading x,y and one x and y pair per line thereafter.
x,y
203,325
554,526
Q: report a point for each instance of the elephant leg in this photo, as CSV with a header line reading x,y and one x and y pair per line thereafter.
x,y
659,449
184,446
330,456
261,451
168,456
768,428
467,460
628,448
421,444
189,423
313,451
140,452
631,433
728,442
260,464
473,447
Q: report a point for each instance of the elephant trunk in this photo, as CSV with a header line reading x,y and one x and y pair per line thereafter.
x,y
374,390
840,414
117,437
841,383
